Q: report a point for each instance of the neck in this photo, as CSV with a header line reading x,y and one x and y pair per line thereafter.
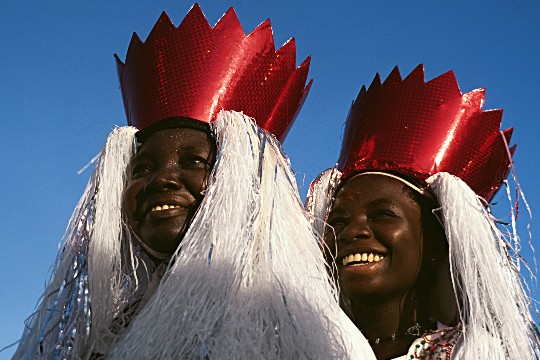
x,y
378,319
388,320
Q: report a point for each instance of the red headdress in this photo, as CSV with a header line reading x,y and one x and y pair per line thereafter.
x,y
417,129
195,71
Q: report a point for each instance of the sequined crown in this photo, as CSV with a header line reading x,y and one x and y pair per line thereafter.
x,y
195,71
417,129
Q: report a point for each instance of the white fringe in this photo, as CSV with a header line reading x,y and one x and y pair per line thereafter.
x,y
107,268
64,321
248,280
320,198
495,307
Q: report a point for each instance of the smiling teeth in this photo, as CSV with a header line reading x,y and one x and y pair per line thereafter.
x,y
164,207
364,257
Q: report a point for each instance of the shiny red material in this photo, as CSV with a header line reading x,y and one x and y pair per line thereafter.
x,y
196,70
417,129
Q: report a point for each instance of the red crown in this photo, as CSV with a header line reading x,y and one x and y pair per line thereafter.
x,y
196,70
419,128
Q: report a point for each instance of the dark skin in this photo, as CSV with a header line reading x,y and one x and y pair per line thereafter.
x,y
400,248
168,176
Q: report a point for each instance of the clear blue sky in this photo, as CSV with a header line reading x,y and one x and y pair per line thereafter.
x,y
59,95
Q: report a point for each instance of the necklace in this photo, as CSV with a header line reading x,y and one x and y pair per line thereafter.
x,y
414,332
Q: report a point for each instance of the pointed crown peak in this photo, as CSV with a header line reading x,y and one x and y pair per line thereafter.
x,y
418,128
195,70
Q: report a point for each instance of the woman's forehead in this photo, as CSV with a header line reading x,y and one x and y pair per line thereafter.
x,y
372,183
178,132
372,191
179,136
184,139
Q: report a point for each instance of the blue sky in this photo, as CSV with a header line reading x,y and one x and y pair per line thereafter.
x,y
59,95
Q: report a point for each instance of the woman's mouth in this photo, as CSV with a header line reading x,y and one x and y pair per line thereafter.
x,y
163,207
165,211
359,259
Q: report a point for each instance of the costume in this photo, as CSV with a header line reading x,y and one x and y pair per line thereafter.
x,y
437,344
431,134
248,280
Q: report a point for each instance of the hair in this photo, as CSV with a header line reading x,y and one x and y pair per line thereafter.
x,y
434,237
172,123
433,288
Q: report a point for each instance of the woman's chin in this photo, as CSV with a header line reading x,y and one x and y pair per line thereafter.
x,y
165,241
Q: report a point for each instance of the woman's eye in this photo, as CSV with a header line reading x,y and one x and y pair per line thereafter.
x,y
139,169
195,162
337,221
383,213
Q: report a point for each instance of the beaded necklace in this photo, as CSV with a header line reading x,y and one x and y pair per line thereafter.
x,y
413,332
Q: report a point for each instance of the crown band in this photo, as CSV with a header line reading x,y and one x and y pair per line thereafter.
x,y
419,190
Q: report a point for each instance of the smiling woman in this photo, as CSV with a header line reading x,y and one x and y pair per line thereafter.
x,y
423,268
180,246
389,246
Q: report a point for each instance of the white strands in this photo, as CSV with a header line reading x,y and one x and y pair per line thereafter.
x,y
248,280
318,205
62,326
494,307
106,263
43,330
319,198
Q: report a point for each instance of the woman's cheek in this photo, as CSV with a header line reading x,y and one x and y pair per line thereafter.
x,y
196,182
129,201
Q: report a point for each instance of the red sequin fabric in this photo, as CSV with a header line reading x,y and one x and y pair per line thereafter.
x,y
195,70
418,128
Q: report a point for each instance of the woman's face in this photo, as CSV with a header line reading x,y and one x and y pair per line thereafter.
x,y
377,239
168,174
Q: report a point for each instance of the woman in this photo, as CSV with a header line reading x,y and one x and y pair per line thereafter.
x,y
181,246
423,269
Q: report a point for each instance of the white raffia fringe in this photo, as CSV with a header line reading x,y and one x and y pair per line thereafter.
x,y
106,267
494,306
320,197
248,280
91,242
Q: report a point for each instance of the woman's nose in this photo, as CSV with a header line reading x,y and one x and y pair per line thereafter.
x,y
164,180
354,231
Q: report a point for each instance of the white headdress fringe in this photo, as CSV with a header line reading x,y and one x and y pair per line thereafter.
x,y
64,324
320,197
248,280
494,307
319,201
112,262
